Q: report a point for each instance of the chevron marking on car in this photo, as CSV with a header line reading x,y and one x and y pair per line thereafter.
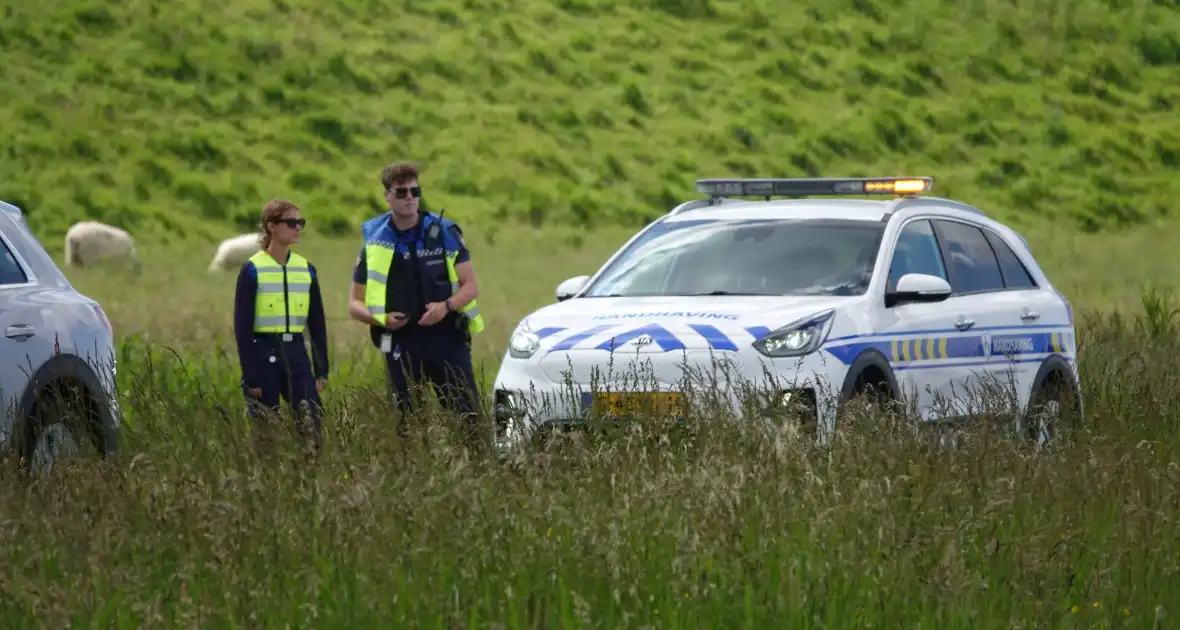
x,y
667,337
717,339
545,332
572,340
925,350
758,332
1062,342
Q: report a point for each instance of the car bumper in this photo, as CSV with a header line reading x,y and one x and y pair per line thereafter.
x,y
528,400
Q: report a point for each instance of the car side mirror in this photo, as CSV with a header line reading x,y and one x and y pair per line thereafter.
x,y
567,289
918,287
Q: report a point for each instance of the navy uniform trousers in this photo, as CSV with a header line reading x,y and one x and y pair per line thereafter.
x,y
287,374
437,358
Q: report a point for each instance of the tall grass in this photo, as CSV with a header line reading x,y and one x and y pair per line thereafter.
x,y
707,525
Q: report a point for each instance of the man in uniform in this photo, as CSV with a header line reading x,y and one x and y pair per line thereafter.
x,y
414,286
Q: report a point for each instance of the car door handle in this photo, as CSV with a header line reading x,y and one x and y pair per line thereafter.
x,y
1029,316
19,330
963,323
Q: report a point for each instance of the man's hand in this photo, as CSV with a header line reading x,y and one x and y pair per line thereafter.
x,y
435,311
320,384
395,320
254,392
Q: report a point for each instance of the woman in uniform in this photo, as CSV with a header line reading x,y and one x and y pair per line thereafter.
x,y
277,301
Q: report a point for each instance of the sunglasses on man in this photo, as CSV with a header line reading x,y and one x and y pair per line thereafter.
x,y
292,223
403,192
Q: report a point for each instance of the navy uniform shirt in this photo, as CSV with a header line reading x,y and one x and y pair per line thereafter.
x,y
248,352
360,272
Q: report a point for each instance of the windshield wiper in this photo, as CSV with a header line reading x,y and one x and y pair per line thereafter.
x,y
835,290
724,292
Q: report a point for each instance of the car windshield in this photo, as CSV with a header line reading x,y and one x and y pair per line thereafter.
x,y
752,257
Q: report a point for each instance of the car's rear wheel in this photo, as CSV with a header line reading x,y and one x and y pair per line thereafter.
x,y
1051,411
65,424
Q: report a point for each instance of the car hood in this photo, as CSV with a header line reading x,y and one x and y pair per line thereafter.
x,y
670,322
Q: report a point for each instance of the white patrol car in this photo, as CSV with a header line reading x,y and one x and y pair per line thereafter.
x,y
923,299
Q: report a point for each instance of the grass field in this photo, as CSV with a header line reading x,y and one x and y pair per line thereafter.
x,y
714,527
551,131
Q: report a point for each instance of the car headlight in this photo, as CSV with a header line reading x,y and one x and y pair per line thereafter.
x,y
797,338
523,344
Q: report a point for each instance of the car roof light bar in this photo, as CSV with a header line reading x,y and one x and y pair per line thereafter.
x,y
813,186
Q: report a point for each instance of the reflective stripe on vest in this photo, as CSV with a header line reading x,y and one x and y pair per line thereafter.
x,y
378,256
474,319
284,294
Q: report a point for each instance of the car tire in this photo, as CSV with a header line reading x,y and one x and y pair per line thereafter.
x,y
62,416
1052,405
874,390
870,380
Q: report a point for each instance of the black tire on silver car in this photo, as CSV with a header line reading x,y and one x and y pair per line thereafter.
x,y
64,426
63,417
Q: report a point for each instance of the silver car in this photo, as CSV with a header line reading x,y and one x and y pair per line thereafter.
x,y
57,357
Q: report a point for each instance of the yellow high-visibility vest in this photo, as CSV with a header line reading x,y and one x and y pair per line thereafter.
x,y
284,294
474,319
379,257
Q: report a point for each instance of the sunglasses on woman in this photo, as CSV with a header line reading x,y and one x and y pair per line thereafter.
x,y
292,223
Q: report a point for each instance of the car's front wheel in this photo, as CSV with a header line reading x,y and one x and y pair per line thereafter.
x,y
871,392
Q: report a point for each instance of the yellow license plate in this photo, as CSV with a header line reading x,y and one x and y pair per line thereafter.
x,y
646,404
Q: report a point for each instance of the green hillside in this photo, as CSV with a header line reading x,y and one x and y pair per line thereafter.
x,y
189,114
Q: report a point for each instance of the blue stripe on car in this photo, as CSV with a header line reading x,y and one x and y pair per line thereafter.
x,y
717,339
905,349
665,339
569,342
934,350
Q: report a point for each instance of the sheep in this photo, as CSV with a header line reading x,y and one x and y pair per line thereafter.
x,y
88,242
235,251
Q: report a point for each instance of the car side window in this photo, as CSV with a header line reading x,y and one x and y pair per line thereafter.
x,y
10,270
972,262
916,252
1016,276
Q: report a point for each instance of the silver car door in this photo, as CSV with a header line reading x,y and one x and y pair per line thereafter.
x,y
23,346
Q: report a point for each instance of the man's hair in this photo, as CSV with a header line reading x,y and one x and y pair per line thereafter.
x,y
398,173
271,212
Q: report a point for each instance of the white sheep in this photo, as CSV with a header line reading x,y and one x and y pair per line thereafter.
x,y
88,242
232,252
